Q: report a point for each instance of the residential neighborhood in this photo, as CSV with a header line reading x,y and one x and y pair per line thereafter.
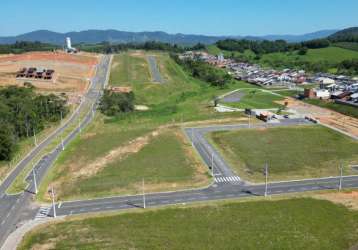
x,y
342,89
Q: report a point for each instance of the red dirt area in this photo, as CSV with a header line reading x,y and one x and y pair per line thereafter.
x,y
72,71
51,56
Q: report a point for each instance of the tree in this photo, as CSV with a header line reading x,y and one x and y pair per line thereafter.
x,y
7,142
113,104
302,51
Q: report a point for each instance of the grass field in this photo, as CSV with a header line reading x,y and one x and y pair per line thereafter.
x,y
300,223
180,99
330,54
291,152
128,68
256,98
347,45
340,108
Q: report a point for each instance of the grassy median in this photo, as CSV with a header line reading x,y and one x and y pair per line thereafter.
x,y
300,223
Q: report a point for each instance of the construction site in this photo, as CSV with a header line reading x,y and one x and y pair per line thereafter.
x,y
49,71
324,116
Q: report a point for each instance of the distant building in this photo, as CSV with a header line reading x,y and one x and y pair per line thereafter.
x,y
322,94
68,47
326,80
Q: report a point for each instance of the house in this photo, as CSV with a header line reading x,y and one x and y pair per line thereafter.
x,y
354,97
325,80
322,93
309,93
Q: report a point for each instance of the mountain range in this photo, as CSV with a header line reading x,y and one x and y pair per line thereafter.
x,y
115,36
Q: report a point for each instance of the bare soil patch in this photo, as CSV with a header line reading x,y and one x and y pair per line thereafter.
x,y
328,117
348,199
72,72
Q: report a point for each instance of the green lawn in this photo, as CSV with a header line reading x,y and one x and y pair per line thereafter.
x,y
164,163
300,223
256,98
291,152
347,45
340,108
180,99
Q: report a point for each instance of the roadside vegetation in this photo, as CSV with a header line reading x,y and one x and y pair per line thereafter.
x,y
290,152
299,223
113,104
24,113
116,143
204,71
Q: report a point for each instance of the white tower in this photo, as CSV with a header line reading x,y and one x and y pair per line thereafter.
x,y
68,43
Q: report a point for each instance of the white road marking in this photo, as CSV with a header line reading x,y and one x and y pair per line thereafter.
x,y
227,179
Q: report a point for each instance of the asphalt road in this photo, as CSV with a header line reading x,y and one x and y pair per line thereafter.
x,y
14,209
157,77
217,191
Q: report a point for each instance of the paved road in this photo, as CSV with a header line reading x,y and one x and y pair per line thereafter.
x,y
217,191
157,77
214,192
15,209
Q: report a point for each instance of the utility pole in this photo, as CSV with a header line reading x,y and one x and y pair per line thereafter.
x,y
212,164
143,193
341,177
250,120
266,179
53,202
35,137
62,144
79,123
34,176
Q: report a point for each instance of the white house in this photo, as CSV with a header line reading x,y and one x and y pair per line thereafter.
x,y
326,80
322,93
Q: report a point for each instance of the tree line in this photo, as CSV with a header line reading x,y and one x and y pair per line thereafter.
x,y
22,47
265,46
108,48
24,113
203,71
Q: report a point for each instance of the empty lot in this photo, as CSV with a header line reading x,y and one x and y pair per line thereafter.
x,y
72,72
291,152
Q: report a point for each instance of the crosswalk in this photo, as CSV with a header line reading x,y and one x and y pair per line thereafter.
x,y
228,179
42,213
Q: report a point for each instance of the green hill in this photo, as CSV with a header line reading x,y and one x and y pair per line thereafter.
x,y
346,35
329,54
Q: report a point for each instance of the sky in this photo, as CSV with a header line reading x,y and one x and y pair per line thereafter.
x,y
209,17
